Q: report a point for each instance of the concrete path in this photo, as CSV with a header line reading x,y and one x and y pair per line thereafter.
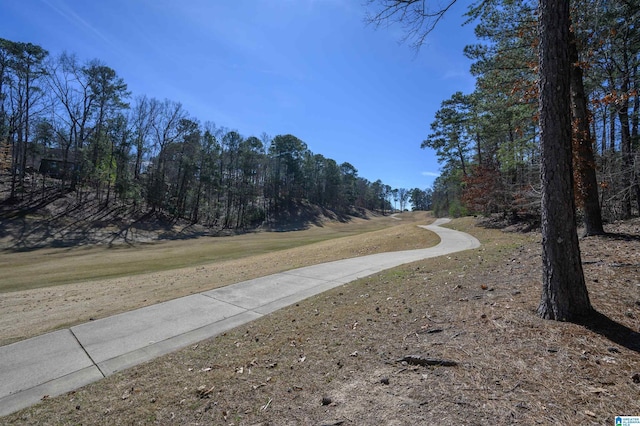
x,y
61,361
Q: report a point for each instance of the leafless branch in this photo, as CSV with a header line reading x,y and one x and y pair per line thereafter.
x,y
416,16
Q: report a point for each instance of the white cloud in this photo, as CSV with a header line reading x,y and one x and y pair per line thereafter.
x,y
433,174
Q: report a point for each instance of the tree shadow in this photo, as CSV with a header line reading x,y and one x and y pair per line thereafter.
x,y
612,330
11,208
54,219
620,236
302,216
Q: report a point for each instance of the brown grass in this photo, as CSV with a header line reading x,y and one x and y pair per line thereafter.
x,y
341,347
46,267
66,286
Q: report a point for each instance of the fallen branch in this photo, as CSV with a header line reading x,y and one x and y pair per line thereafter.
x,y
420,360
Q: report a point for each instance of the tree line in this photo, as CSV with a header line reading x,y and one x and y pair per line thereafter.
x,y
488,141
77,128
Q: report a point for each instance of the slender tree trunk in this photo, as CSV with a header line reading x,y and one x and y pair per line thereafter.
x,y
604,132
14,168
612,130
635,123
138,165
23,158
109,173
584,161
461,157
564,293
635,114
625,148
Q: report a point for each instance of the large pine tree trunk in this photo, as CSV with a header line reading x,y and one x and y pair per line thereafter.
x,y
584,161
564,293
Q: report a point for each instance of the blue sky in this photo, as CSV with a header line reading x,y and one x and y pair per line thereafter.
x,y
311,68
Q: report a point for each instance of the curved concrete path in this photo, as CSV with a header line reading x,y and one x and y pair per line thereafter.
x,y
64,360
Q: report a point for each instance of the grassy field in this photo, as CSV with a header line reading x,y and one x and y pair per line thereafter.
x,y
48,289
46,267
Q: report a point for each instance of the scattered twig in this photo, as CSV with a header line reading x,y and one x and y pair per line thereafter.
x,y
513,388
420,360
203,392
264,407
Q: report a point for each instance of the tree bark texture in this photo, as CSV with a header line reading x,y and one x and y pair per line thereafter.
x,y
586,184
564,293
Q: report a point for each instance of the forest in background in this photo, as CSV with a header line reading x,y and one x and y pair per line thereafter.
x,y
487,142
68,126
72,126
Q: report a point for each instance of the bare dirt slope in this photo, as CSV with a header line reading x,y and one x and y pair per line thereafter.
x,y
344,357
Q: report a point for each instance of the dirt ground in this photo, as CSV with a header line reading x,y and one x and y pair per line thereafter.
x,y
351,356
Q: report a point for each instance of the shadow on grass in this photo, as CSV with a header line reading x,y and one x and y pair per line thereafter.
x,y
614,331
301,216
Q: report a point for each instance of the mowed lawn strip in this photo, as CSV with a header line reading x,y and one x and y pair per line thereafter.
x,y
25,270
